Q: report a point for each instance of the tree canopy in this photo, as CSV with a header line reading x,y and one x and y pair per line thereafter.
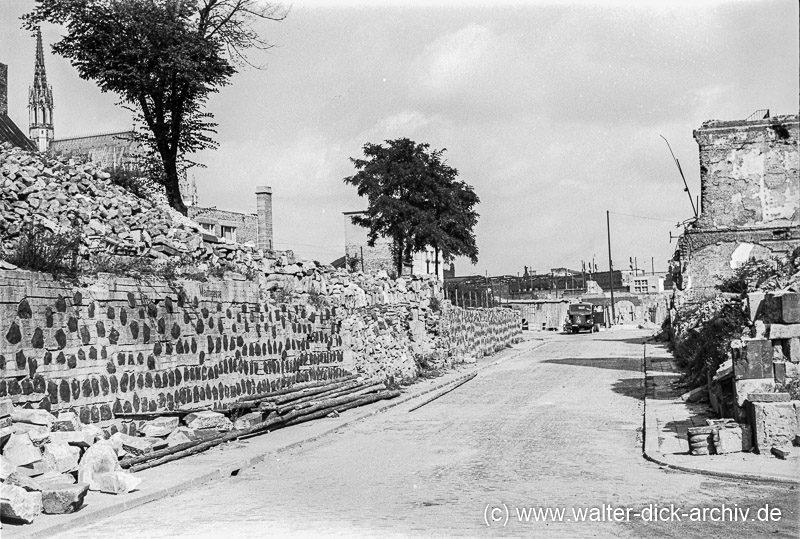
x,y
415,200
163,58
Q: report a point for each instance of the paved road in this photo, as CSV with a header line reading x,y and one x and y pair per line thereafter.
x,y
556,427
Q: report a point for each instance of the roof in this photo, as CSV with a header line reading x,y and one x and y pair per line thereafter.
x,y
340,262
9,132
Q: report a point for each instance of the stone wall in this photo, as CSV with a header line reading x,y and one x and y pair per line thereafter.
x,y
118,345
246,224
376,258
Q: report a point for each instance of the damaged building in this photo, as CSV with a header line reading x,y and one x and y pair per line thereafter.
x,y
750,199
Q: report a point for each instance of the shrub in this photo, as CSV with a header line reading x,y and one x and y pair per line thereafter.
x,y
435,304
703,332
39,249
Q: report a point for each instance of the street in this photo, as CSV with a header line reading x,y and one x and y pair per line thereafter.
x,y
558,427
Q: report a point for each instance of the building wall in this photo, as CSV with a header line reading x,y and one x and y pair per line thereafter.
x,y
376,258
246,224
750,192
749,173
108,150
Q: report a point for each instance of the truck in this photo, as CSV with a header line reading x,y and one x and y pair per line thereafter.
x,y
579,316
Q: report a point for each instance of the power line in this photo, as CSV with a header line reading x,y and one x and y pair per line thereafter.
x,y
642,217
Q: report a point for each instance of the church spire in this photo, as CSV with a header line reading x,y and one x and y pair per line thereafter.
x,y
40,101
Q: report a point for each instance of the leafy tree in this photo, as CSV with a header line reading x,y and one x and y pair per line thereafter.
x,y
163,58
415,200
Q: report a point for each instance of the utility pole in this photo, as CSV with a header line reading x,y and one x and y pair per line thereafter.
x,y
652,267
610,268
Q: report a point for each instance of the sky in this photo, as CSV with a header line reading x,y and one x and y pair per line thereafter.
x,y
552,110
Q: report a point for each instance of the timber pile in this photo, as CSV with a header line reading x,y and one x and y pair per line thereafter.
x,y
43,455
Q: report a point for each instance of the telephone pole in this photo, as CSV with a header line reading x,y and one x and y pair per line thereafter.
x,y
610,268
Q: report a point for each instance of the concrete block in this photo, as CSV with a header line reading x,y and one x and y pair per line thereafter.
x,y
784,307
773,424
63,499
17,504
20,450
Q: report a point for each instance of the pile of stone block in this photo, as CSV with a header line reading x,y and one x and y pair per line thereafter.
x,y
719,437
49,463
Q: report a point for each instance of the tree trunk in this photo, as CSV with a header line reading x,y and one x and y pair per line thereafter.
x,y
398,245
436,260
172,183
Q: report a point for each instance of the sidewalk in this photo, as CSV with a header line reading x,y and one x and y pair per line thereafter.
x,y
667,419
226,460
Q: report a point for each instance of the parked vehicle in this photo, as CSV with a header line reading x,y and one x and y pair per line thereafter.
x,y
579,316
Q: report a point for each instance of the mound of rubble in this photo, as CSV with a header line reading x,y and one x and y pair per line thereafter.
x,y
63,195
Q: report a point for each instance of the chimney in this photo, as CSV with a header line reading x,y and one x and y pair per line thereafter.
x,y
264,211
3,89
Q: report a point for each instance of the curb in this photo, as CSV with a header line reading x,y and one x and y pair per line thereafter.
x,y
234,467
650,451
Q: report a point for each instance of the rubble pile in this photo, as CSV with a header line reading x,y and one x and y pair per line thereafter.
x,y
64,195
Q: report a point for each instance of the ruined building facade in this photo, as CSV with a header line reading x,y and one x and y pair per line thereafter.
x,y
750,199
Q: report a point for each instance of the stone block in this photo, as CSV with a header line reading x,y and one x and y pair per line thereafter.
x,y
61,457
753,359
6,406
160,427
23,481
790,349
63,499
79,438
135,445
100,458
768,397
5,434
34,469
19,505
6,467
117,482
743,388
784,331
780,452
39,434
51,479
20,450
34,416
67,421
182,435
755,304
247,421
773,424
207,420
729,440
783,307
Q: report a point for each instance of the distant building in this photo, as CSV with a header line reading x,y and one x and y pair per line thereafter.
x,y
234,227
646,284
750,198
379,257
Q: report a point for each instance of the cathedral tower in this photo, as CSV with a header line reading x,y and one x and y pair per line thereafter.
x,y
40,102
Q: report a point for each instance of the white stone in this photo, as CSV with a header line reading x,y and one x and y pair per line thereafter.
x,y
67,421
20,450
207,420
99,459
80,438
33,416
117,482
38,434
18,504
61,457
161,426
